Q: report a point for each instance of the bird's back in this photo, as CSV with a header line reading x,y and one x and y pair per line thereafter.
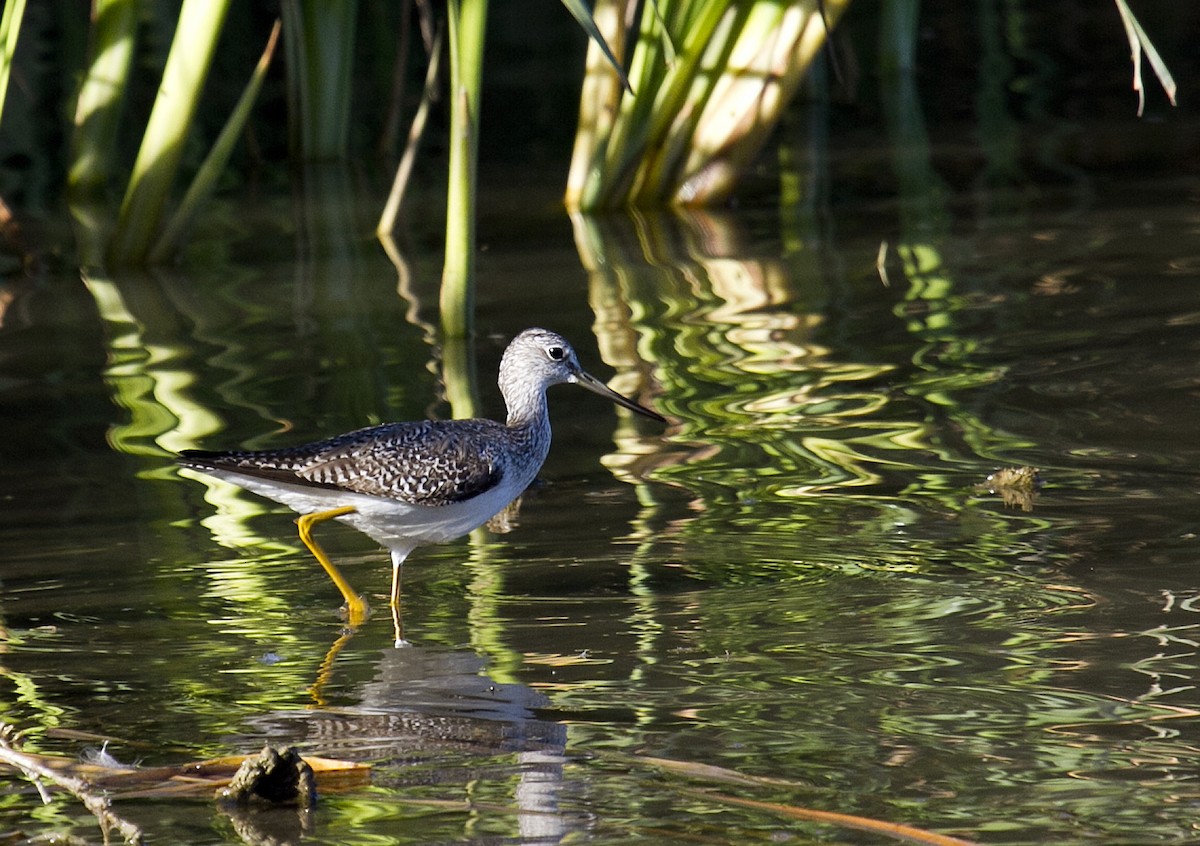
x,y
432,462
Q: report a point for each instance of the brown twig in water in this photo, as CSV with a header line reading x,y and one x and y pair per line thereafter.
x,y
36,772
711,773
899,831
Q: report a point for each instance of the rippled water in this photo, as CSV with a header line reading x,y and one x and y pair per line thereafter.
x,y
805,578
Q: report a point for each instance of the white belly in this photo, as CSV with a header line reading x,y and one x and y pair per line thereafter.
x,y
394,524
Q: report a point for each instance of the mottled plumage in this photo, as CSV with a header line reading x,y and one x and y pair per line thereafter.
x,y
432,462
408,484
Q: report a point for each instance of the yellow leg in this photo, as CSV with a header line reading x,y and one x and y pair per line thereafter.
x,y
356,608
325,671
398,556
398,626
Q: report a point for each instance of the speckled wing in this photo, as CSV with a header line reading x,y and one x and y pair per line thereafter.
x,y
434,462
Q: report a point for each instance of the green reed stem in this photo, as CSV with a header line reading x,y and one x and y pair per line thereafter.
x,y
709,79
200,24
98,109
391,209
10,31
468,19
598,101
319,38
214,163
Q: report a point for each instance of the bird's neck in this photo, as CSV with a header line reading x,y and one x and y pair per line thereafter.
x,y
529,426
527,409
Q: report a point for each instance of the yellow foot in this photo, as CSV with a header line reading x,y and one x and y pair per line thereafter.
x,y
356,614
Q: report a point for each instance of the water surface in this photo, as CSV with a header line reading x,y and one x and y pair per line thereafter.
x,y
804,578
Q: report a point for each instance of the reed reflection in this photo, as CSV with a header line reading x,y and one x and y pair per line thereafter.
x,y
788,425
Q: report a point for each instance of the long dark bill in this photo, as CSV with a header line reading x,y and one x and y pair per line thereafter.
x,y
587,380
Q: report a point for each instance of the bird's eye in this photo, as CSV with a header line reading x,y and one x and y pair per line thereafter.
x,y
556,353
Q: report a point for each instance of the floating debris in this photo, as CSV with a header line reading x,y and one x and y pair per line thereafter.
x,y
195,779
1017,486
278,777
37,770
102,758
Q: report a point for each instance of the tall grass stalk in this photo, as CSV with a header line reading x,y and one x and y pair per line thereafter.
x,y
391,209
200,24
709,81
214,163
599,98
759,78
318,38
467,25
584,17
98,108
1139,42
10,31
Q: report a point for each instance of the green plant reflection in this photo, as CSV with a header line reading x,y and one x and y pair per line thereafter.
x,y
772,422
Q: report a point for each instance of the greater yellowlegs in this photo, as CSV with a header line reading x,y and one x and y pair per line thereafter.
x,y
413,484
